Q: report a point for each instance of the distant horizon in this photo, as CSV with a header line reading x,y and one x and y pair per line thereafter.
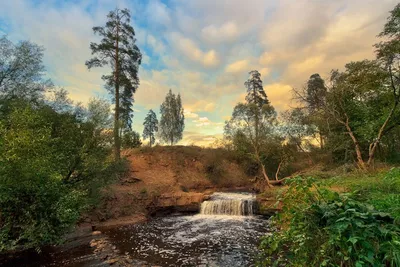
x,y
201,49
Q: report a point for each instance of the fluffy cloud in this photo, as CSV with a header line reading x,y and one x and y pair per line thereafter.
x,y
190,115
238,66
191,50
202,121
228,31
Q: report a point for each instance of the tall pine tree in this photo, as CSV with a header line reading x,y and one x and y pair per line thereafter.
x,y
118,49
172,120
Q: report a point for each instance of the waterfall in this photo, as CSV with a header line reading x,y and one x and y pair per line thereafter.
x,y
239,204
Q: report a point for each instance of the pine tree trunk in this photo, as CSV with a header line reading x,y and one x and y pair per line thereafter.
x,y
117,144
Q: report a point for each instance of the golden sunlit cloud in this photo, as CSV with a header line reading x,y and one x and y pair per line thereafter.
x,y
238,66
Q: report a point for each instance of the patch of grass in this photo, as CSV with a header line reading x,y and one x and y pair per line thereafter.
x,y
380,189
143,191
184,188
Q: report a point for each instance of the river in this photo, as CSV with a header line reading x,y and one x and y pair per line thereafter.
x,y
225,233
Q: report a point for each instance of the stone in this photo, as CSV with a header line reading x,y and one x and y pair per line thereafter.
x,y
111,261
96,233
93,243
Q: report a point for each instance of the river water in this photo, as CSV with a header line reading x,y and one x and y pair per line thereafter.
x,y
225,233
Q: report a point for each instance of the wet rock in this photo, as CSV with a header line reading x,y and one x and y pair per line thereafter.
x,y
93,243
111,261
96,233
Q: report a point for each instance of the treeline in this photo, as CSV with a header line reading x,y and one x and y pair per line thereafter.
x,y
351,117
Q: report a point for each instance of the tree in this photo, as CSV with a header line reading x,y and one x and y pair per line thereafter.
x,y
131,139
316,93
359,99
364,98
21,70
118,50
150,127
50,164
172,122
98,113
255,90
253,120
312,98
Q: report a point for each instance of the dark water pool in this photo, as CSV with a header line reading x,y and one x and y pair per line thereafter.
x,y
198,240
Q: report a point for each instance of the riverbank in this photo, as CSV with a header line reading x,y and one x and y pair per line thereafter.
x,y
162,180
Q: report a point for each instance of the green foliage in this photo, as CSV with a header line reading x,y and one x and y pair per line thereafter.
x,y
131,139
214,170
319,227
172,122
382,190
143,191
99,113
255,90
51,164
118,50
21,70
150,127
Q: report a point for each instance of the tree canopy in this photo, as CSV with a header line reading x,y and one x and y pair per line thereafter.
x,y
150,127
172,122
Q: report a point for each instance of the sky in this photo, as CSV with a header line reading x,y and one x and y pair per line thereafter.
x,y
202,49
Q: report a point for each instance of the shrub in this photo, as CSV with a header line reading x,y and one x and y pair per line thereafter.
x,y
318,227
214,172
51,167
131,139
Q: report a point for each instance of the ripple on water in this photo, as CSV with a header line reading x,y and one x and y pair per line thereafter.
x,y
200,240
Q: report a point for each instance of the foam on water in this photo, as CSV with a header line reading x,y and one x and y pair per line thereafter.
x,y
198,240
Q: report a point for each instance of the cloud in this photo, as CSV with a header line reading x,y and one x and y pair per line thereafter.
x,y
190,115
238,66
228,31
157,45
202,121
190,49
194,138
159,12
280,95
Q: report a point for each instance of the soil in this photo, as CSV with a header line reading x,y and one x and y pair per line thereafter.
x,y
167,179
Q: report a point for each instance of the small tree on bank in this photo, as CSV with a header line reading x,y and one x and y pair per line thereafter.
x,y
172,122
150,127
253,121
117,48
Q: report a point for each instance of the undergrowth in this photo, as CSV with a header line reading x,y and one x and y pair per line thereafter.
x,y
381,190
319,227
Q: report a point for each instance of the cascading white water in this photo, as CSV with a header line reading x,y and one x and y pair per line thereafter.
x,y
239,204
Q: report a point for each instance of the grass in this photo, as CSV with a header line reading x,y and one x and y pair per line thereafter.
x,y
380,189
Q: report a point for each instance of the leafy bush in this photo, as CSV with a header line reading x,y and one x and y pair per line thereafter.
x,y
213,167
51,164
131,139
381,189
318,227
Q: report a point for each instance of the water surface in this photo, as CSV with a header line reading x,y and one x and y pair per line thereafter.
x,y
198,240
